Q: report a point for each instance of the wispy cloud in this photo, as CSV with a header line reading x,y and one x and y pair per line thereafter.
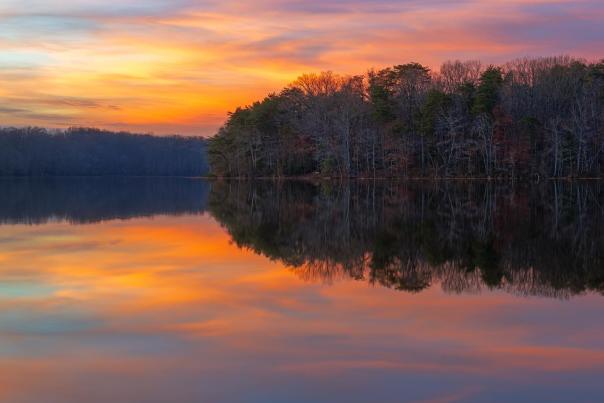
x,y
185,63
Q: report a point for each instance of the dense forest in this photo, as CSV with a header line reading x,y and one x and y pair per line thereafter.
x,y
543,240
86,152
534,118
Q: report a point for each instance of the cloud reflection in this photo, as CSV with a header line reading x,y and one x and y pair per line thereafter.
x,y
167,308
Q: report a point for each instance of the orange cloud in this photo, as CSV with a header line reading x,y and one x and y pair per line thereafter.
x,y
179,66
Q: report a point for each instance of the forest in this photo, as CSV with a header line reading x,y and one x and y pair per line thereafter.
x,y
528,118
93,152
464,236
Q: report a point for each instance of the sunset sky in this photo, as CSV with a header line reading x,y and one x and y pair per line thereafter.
x,y
178,66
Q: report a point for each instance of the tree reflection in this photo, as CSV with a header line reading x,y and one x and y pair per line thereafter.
x,y
462,236
85,200
529,240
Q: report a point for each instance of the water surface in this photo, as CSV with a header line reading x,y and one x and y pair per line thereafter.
x,y
157,290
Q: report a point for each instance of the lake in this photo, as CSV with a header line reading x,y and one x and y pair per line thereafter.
x,y
182,290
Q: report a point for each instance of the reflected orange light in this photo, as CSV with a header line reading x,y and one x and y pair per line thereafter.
x,y
96,294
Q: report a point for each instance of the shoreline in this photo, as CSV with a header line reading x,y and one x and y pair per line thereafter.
x,y
312,178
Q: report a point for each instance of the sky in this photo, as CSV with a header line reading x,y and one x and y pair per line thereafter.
x,y
178,66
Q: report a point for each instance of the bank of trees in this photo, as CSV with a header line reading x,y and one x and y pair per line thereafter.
x,y
525,118
84,152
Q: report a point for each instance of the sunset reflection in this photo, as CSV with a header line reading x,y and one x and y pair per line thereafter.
x,y
169,309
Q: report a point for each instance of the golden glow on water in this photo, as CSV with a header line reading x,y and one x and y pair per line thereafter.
x,y
169,308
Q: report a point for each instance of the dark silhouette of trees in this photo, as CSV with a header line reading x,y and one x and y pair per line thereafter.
x,y
530,117
88,152
528,240
487,92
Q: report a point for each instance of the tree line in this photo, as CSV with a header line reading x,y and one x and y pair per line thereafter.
x,y
545,240
36,151
529,117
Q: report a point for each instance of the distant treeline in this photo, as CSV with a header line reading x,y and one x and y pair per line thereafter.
x,y
530,117
85,152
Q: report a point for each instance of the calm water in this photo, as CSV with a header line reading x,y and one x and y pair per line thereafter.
x,y
166,290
